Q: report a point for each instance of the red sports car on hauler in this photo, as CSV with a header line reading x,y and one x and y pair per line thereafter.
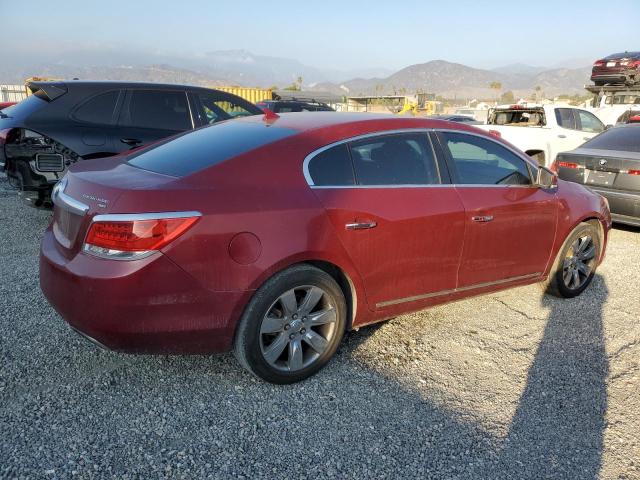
x,y
270,236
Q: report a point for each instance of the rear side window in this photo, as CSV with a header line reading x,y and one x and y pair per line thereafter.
x,y
402,159
565,118
98,109
157,109
206,147
332,167
618,138
480,161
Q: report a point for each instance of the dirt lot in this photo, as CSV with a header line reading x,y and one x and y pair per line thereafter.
x,y
512,385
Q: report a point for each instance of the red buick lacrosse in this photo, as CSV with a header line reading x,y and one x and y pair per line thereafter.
x,y
270,236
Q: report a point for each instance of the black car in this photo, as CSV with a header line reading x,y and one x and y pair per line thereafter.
x,y
610,165
64,122
295,105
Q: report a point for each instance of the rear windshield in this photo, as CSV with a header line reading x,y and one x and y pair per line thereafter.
x,y
25,107
618,138
208,146
518,117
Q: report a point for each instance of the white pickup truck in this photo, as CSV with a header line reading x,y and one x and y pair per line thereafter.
x,y
543,131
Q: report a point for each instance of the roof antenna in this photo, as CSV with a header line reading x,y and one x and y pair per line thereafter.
x,y
269,115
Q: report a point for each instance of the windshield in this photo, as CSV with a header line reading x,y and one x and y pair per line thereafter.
x,y
518,117
625,138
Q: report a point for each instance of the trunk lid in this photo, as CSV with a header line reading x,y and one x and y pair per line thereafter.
x,y
609,169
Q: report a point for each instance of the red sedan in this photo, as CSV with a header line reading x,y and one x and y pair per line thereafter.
x,y
272,236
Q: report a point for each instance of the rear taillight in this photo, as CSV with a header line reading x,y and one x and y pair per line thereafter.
x,y
568,165
132,236
495,133
598,63
634,172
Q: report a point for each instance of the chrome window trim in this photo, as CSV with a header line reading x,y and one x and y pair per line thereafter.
x,y
128,217
425,296
64,201
527,160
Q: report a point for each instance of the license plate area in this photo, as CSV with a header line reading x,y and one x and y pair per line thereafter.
x,y
611,64
600,178
65,227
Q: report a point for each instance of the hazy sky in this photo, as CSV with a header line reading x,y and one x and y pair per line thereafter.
x,y
340,34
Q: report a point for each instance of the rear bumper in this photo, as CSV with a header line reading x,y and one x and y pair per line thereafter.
x,y
143,306
614,76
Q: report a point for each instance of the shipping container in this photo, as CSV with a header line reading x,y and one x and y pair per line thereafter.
x,y
253,95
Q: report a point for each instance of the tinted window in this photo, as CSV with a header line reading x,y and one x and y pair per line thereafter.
x,y
589,122
215,107
618,138
206,147
564,117
480,161
98,109
161,110
403,159
332,167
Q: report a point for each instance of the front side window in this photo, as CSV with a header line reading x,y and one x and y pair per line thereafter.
x,y
98,109
399,159
480,161
589,122
332,167
565,118
158,109
216,108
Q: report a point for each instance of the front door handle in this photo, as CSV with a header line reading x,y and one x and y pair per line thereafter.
x,y
360,225
131,141
562,136
482,218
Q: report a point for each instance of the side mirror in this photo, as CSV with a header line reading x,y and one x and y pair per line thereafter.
x,y
546,178
607,127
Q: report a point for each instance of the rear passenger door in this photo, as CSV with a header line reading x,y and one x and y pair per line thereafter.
x,y
510,222
398,219
151,115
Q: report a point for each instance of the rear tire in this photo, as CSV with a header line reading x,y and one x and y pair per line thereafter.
x,y
292,326
576,263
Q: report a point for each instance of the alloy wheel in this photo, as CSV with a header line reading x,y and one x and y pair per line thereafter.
x,y
298,328
579,262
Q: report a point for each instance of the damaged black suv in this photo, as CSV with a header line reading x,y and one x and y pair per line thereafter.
x,y
65,122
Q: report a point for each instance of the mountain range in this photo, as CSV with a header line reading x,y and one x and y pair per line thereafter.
x,y
243,68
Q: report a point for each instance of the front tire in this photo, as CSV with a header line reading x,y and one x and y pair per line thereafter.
x,y
576,263
292,326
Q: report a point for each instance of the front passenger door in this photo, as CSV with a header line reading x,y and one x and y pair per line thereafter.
x,y
510,222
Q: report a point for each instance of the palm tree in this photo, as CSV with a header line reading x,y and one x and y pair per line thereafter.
x,y
497,86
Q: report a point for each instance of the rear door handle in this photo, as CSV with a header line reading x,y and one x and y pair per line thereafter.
x,y
562,136
131,141
360,225
482,218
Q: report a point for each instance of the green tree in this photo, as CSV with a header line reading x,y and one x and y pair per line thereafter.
x,y
507,97
497,86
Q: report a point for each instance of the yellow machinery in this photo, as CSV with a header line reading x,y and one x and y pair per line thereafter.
x,y
252,95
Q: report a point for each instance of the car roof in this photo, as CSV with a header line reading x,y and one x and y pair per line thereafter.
x,y
98,84
623,55
352,123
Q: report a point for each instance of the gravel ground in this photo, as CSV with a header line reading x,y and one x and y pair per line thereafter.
x,y
511,385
